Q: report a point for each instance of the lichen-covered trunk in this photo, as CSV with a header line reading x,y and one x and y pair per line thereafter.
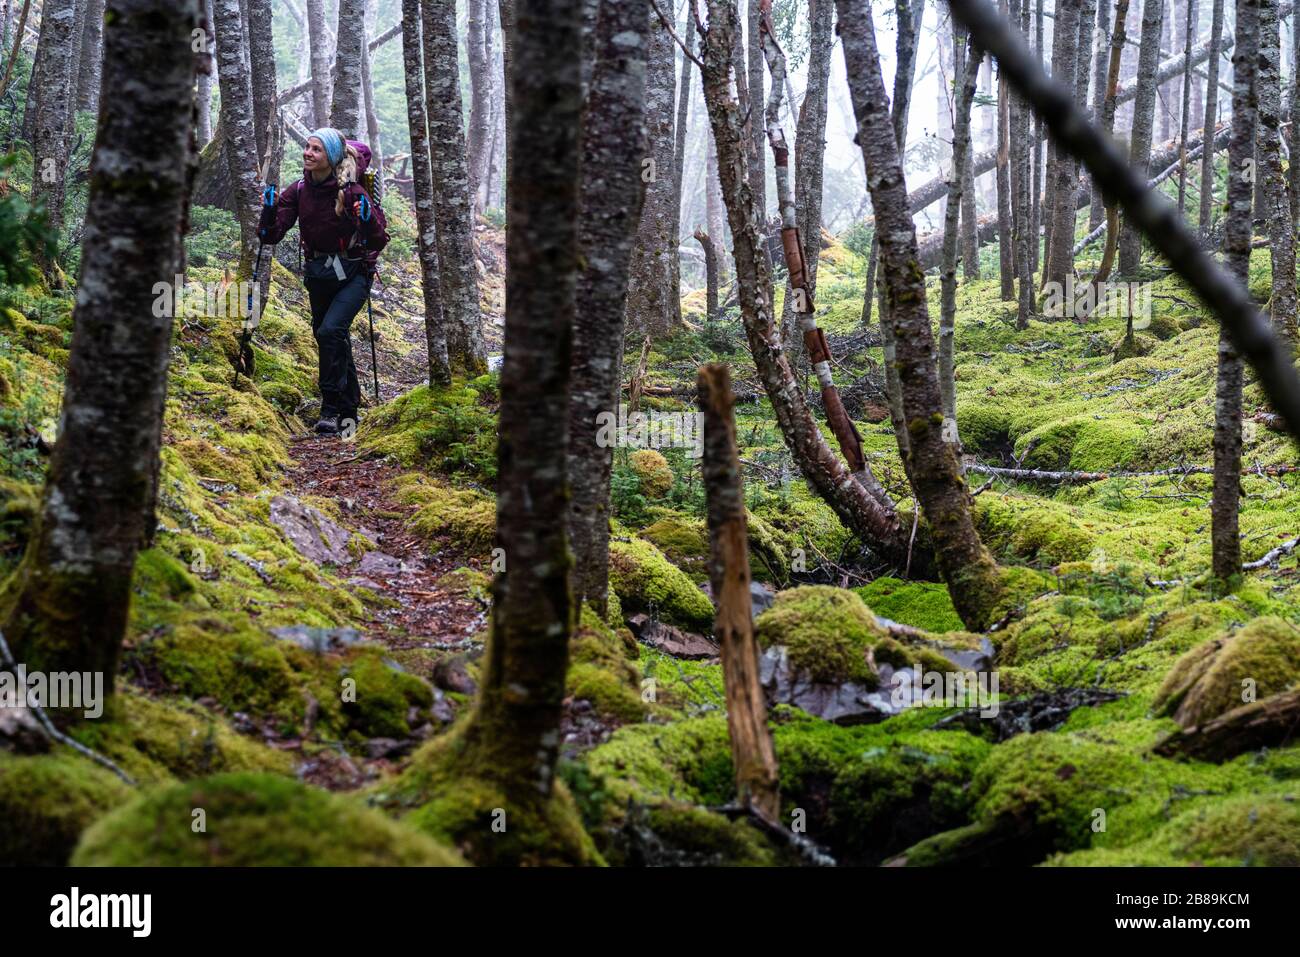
x,y
970,62
450,175
480,100
69,601
515,728
435,334
1225,537
91,62
754,84
206,78
1130,238
1062,178
650,309
1268,155
1210,122
611,195
972,577
322,63
349,37
261,58
52,91
240,143
1293,131
875,523
753,755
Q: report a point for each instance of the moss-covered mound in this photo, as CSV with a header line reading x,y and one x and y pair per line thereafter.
x,y
654,472
645,581
1259,660
47,800
244,820
827,632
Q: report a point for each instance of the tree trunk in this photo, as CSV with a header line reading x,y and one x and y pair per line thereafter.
x,y
1100,71
715,213
206,77
1293,131
73,589
974,581
1022,124
261,56
1189,31
450,176
496,152
679,166
90,63
239,142
1006,253
649,303
1205,219
421,182
966,81
322,80
1062,176
480,101
970,244
613,146
374,138
1268,151
872,521
710,275
513,736
755,86
1130,239
52,93
752,754
809,161
1036,194
350,37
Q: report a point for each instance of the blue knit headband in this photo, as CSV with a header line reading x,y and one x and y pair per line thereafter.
x,y
332,140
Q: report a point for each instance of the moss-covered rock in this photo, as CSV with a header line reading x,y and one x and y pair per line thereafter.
x,y
253,820
1259,660
47,800
924,605
467,516
645,580
827,632
684,542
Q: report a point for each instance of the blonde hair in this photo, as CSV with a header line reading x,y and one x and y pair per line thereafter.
x,y
346,173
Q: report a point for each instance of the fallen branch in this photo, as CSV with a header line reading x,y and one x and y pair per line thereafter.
x,y
1042,475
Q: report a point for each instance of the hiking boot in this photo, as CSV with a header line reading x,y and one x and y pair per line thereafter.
x,y
328,425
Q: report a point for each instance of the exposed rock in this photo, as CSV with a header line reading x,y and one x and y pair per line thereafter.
x,y
310,531
1045,711
319,640
452,674
21,732
671,640
380,565
377,748
844,702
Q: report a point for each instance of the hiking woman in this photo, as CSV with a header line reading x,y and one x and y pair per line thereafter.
x,y
342,234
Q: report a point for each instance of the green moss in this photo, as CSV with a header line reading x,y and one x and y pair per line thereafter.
x,y
47,800
923,605
827,632
467,516
1261,659
654,472
253,820
445,428
684,542
645,580
384,696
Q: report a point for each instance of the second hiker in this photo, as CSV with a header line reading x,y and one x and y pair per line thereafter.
x,y
342,234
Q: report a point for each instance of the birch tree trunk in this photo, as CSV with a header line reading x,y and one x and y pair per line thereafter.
x,y
613,145
72,592
1130,239
450,176
322,80
649,305
974,582
1225,536
206,77
435,332
679,164
91,62
237,127
1268,153
875,523
755,85
350,37
261,56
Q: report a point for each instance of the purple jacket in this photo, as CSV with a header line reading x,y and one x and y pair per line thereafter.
x,y
323,231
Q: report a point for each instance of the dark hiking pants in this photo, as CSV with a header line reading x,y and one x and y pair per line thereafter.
x,y
334,304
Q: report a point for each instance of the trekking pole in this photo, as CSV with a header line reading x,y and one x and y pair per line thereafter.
x,y
370,309
244,361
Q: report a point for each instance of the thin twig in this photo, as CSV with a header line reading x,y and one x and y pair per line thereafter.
x,y
691,56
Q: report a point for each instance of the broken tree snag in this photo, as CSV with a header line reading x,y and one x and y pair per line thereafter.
x,y
974,581
636,387
814,338
752,753
710,275
1268,723
868,514
1248,331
